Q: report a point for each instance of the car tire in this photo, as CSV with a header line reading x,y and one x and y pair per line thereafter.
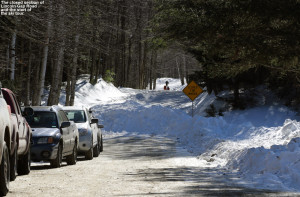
x,y
72,159
56,163
4,172
96,151
89,154
24,164
13,165
101,148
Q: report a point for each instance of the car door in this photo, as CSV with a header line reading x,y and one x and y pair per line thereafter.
x,y
94,127
71,129
21,126
65,132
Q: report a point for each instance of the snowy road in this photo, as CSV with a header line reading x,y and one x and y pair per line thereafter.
x,y
131,166
197,156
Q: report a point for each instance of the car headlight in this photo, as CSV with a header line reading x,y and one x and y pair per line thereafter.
x,y
82,132
45,140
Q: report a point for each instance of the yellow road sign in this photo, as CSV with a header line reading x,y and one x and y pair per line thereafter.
x,y
192,90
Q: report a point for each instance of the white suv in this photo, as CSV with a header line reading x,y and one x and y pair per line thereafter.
x,y
5,146
90,136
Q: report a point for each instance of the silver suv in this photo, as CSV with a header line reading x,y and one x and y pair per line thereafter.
x,y
90,136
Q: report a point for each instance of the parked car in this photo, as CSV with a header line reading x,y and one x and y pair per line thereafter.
x,y
5,145
90,137
53,136
21,137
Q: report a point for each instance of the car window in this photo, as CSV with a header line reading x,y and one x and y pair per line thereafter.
x,y
63,116
41,119
89,115
60,118
9,102
78,116
17,105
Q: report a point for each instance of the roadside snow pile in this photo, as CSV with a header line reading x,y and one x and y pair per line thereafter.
x,y
277,164
262,143
88,94
268,157
280,163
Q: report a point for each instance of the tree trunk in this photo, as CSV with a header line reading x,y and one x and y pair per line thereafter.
x,y
181,70
139,63
138,42
186,70
93,66
129,60
73,72
36,79
75,58
7,73
58,70
13,55
20,76
154,69
42,74
150,70
93,69
178,67
28,78
88,62
123,43
143,66
68,87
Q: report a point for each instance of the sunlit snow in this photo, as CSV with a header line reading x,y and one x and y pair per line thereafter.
x,y
261,144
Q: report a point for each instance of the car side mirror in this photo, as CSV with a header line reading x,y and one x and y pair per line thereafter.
x,y
94,121
28,111
100,126
65,124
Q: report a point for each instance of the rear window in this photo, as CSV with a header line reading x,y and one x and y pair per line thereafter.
x,y
42,119
78,116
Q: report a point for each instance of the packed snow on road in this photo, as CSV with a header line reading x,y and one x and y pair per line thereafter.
x,y
261,144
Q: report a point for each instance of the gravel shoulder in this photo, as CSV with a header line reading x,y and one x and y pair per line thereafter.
x,y
131,166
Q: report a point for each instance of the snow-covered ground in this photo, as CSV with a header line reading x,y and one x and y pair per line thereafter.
x,y
261,144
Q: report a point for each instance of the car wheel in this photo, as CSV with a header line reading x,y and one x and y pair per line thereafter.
x,y
101,148
89,154
24,164
56,163
72,159
13,165
4,172
96,149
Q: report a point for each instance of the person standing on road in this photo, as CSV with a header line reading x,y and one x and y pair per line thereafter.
x,y
166,87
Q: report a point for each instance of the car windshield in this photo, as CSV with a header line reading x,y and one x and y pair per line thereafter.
x,y
41,119
78,116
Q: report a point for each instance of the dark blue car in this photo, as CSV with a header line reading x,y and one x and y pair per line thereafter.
x,y
53,136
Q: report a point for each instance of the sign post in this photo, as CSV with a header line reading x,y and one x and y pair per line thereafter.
x,y
192,90
192,108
